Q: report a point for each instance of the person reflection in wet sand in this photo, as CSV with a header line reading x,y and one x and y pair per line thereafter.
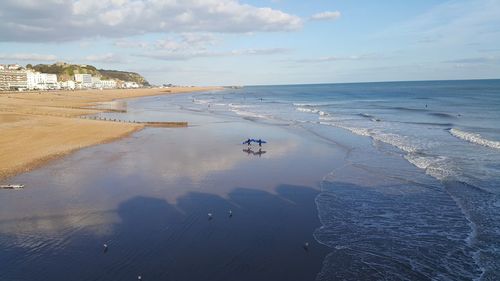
x,y
259,153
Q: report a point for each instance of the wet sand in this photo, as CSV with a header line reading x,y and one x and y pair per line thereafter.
x,y
148,197
37,127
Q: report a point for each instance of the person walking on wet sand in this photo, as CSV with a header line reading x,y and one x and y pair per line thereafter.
x,y
259,142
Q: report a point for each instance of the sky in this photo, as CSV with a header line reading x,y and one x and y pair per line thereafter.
x,y
255,42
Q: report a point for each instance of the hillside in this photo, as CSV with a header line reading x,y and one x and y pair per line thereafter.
x,y
124,76
66,71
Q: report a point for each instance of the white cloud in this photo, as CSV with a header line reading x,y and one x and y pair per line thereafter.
x,y
104,58
326,16
174,54
186,42
476,60
28,57
339,58
187,46
126,43
51,20
448,25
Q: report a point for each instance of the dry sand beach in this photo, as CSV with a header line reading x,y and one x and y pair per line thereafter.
x,y
36,127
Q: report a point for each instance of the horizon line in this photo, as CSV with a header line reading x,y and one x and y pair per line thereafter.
x,y
364,82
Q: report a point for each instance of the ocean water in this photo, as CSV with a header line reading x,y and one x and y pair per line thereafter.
x,y
398,181
425,199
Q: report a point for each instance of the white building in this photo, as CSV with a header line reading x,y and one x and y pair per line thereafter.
x,y
68,85
14,67
97,83
41,81
130,85
13,79
33,80
83,80
108,84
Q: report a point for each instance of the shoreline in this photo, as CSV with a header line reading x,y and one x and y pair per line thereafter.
x,y
40,127
147,197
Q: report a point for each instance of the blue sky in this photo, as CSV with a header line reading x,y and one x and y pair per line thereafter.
x,y
230,42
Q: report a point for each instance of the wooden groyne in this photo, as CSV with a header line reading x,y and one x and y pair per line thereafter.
x,y
147,124
165,124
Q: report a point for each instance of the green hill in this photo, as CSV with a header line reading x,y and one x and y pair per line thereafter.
x,y
124,76
66,72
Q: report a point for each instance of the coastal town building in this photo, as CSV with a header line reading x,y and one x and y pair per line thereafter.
x,y
130,85
14,67
97,83
83,81
13,79
68,85
41,81
16,77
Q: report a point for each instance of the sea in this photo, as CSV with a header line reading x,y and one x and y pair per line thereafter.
x,y
387,181
420,198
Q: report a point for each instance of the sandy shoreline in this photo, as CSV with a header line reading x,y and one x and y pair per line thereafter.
x,y
36,128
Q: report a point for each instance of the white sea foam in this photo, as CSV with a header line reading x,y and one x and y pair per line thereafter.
x,y
314,104
474,138
197,101
312,110
248,114
232,105
435,166
357,131
304,109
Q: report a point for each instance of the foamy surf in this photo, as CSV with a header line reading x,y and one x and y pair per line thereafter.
x,y
312,110
474,138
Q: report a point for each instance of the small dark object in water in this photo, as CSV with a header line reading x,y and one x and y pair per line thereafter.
x,y
210,216
105,248
306,246
230,213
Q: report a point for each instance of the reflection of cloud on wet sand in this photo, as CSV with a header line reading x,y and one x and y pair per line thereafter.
x,y
102,177
188,158
30,230
195,162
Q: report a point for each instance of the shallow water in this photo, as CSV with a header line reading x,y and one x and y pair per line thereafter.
x,y
440,138
147,197
397,180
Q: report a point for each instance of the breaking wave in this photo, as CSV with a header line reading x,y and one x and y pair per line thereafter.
x,y
474,138
311,110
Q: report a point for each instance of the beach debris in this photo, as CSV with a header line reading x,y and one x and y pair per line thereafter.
x,y
306,246
230,213
12,186
210,216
